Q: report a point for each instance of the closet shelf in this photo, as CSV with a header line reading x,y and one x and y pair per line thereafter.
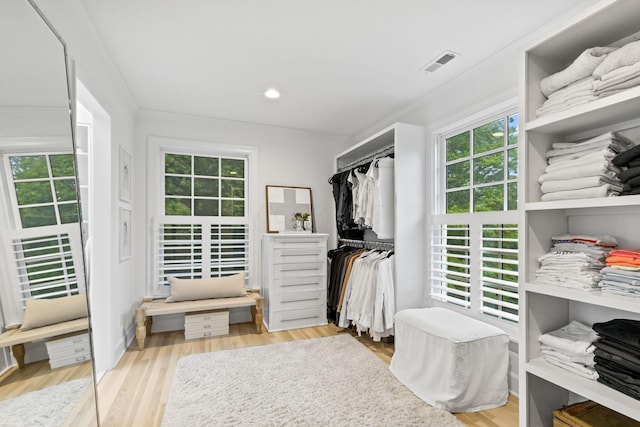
x,y
589,389
595,298
603,112
603,202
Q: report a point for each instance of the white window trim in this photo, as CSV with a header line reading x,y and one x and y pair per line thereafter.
x,y
156,147
438,158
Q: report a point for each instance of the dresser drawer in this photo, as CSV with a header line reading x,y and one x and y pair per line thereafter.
x,y
56,362
301,318
302,269
298,255
205,332
299,243
295,284
297,300
207,316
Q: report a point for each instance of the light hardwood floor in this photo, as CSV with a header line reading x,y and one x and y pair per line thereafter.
x,y
135,392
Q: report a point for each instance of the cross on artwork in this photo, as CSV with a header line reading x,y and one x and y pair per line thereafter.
x,y
284,202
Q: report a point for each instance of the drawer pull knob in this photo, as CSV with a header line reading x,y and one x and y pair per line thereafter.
x,y
79,350
206,326
81,358
207,334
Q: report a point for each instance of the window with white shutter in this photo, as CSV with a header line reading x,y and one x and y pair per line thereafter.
x,y
474,227
202,226
43,238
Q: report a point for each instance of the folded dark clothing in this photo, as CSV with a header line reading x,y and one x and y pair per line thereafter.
x,y
620,386
617,371
627,156
633,163
625,331
627,174
621,349
601,356
630,192
633,182
615,352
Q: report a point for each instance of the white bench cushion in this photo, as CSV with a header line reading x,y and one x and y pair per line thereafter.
x,y
451,361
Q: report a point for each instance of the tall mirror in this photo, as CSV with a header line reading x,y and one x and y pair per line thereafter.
x,y
46,371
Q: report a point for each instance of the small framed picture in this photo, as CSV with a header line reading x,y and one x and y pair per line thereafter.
x,y
125,175
125,234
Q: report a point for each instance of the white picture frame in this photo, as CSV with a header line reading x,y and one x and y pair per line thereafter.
x,y
124,234
124,175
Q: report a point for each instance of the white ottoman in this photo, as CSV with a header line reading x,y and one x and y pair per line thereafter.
x,y
451,361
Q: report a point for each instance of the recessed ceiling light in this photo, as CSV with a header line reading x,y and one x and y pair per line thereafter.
x,y
272,93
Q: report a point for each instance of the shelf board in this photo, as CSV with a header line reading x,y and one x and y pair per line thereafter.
x,y
600,202
596,298
603,112
589,389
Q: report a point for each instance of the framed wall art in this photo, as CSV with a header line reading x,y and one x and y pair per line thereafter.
x,y
124,177
124,234
289,209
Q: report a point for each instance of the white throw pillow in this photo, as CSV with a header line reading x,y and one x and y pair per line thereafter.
x,y
214,287
49,311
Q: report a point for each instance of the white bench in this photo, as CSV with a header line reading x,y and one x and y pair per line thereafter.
x,y
451,361
16,338
158,307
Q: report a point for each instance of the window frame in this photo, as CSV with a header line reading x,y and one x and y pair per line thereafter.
x,y
475,220
157,147
11,225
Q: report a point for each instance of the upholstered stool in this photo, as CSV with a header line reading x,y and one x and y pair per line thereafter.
x,y
451,361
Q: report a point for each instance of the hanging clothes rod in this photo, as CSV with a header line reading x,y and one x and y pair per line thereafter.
x,y
367,244
369,157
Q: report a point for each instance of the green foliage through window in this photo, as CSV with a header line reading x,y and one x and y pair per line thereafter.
x,y
481,168
45,188
204,186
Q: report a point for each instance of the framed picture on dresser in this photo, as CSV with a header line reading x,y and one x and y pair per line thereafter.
x,y
289,209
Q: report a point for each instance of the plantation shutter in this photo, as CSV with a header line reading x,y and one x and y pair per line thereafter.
x,y
451,263
48,261
499,270
195,247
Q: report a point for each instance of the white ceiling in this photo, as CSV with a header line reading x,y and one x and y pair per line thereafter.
x,y
341,65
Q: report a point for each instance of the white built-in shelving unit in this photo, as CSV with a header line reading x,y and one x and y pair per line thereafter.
x,y
543,387
408,145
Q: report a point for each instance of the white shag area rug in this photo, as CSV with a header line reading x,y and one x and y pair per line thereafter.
x,y
332,381
47,407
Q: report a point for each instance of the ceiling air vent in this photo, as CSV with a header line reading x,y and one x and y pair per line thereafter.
x,y
440,60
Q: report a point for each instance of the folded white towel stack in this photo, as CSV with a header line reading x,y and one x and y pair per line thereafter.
x,y
596,73
582,170
571,348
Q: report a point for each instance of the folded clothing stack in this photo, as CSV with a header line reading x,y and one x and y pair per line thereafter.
x,y
596,73
617,355
618,72
580,170
571,348
629,163
575,261
621,276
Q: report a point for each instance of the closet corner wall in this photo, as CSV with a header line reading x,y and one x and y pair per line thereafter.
x,y
407,142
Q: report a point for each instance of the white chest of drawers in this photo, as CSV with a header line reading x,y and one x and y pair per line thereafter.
x,y
294,280
68,350
204,324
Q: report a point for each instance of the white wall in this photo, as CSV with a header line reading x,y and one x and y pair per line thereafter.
x,y
113,289
285,157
